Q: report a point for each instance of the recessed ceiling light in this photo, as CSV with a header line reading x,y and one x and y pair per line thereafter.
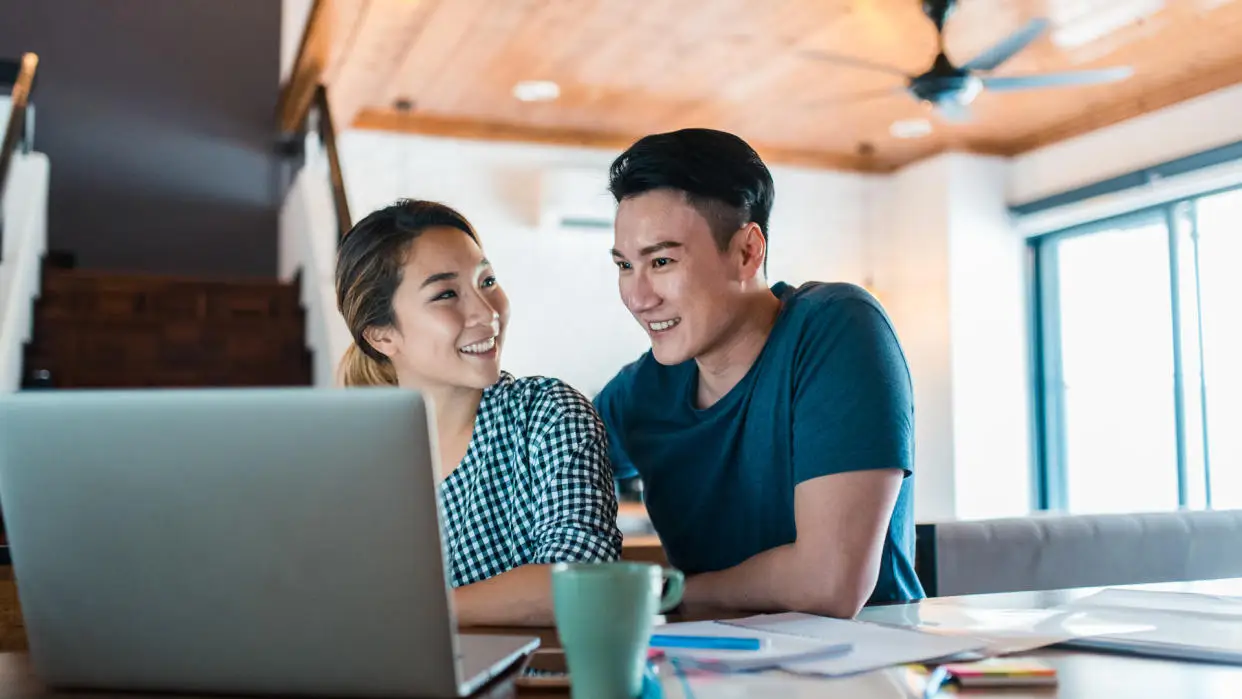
x,y
910,128
536,90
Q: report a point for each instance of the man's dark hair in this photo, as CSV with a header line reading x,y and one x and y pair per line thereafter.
x,y
722,177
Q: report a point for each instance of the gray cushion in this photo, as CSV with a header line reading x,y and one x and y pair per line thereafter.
x,y
1050,551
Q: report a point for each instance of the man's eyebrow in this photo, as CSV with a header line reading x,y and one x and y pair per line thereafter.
x,y
650,249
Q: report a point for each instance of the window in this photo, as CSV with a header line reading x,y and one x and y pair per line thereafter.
x,y
1139,316
1219,227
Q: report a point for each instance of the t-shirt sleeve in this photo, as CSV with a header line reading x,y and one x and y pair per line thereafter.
x,y
853,406
576,513
609,404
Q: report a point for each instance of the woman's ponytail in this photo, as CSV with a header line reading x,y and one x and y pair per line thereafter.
x,y
359,369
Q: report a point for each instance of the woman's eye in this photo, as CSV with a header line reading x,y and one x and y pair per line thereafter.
x,y
445,296
489,282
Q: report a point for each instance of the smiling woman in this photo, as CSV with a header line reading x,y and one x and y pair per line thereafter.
x,y
525,479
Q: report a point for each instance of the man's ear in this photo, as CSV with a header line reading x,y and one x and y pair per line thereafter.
x,y
383,339
752,247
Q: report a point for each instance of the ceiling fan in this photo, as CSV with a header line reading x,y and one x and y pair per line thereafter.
x,y
950,89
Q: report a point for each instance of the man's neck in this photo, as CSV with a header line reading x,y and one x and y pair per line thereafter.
x,y
721,368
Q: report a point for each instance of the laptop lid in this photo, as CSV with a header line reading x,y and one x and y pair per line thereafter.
x,y
229,540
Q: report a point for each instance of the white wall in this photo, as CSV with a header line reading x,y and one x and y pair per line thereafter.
x,y
1196,125
307,247
948,266
989,344
24,215
567,318
910,252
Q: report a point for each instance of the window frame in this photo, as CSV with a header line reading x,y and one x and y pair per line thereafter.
x,y
1048,446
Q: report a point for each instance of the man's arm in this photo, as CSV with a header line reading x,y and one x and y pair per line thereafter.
x,y
830,569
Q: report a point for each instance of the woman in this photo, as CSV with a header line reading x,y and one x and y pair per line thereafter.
x,y
526,480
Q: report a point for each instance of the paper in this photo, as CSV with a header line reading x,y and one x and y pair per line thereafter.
x,y
874,646
1178,602
1175,624
1004,631
776,650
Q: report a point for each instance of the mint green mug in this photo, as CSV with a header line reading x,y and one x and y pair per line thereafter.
x,y
604,616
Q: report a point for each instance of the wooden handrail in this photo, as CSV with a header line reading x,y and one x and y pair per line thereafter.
x,y
298,94
327,134
17,118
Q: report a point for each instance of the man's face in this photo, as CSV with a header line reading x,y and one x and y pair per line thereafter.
x,y
673,278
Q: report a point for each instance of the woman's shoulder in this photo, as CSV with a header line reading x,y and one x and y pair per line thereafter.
x,y
542,401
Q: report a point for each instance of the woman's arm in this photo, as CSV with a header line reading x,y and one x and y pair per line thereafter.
x,y
519,597
573,512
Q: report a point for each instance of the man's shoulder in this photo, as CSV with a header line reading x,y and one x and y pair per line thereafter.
x,y
814,300
818,311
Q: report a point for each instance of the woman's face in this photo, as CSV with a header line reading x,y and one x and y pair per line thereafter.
x,y
451,315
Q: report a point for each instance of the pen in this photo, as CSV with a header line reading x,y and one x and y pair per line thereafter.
x,y
706,642
935,680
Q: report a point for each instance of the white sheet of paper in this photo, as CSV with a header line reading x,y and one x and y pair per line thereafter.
x,y
1176,625
1182,602
875,646
776,648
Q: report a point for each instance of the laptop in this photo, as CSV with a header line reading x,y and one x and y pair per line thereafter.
x,y
235,541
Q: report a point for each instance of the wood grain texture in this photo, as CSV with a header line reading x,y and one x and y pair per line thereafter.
x,y
308,68
626,69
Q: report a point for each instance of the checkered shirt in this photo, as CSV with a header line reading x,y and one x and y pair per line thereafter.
x,y
535,486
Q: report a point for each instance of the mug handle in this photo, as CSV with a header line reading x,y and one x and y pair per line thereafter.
x,y
675,583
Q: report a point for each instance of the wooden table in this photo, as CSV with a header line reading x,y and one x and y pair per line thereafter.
x,y
1083,675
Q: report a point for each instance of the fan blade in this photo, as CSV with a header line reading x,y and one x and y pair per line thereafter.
x,y
1012,83
952,111
854,62
859,97
1007,47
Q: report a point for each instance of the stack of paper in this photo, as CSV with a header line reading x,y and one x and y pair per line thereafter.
x,y
1178,625
808,644
1004,631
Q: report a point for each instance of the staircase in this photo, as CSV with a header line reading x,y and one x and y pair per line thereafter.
x,y
101,330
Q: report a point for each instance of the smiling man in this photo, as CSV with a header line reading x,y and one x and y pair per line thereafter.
x,y
772,427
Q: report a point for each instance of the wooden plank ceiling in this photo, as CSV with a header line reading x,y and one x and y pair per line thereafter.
x,y
626,68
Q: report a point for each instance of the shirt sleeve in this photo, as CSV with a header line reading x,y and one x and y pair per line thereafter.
x,y
608,403
853,405
576,513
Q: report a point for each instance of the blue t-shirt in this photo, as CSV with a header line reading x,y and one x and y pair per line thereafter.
x,y
830,392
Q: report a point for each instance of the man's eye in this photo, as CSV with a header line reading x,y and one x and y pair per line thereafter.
x,y
489,282
660,262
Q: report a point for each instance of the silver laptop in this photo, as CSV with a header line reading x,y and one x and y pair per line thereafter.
x,y
242,541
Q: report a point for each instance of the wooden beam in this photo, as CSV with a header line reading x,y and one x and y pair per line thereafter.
x,y
1089,120
475,129
298,93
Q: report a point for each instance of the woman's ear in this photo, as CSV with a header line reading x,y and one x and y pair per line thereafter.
x,y
382,339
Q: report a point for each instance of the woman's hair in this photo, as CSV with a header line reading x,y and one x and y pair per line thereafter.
x,y
369,262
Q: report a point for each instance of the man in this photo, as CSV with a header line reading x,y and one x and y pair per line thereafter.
x,y
772,427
